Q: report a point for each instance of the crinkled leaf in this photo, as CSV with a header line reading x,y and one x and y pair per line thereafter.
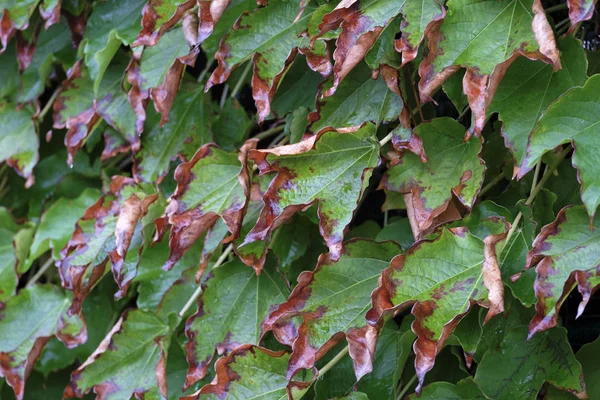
x,y
518,367
572,119
332,301
158,16
565,254
359,99
529,87
454,169
280,27
27,322
187,130
331,169
485,37
213,185
110,24
19,140
251,372
130,361
441,280
231,310
15,15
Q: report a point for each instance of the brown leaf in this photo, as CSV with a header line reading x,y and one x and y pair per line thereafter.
x,y
492,276
580,10
422,221
209,13
150,34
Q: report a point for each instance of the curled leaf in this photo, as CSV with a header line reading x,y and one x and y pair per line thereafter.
x,y
158,16
579,11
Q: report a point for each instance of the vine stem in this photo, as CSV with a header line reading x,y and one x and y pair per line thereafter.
x,y
386,139
491,184
406,387
557,7
333,361
40,272
270,132
205,71
240,82
198,290
48,105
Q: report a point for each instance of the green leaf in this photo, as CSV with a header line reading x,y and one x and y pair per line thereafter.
x,y
587,356
556,127
10,71
383,51
453,87
481,36
466,389
271,51
129,362
157,17
292,240
14,248
359,99
441,280
58,223
454,169
332,169
231,310
187,130
19,140
566,254
251,372
334,299
27,322
519,367
298,88
528,88
231,126
418,15
111,24
214,185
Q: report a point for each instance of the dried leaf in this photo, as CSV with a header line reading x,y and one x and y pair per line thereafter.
x,y
419,17
332,301
331,169
579,11
158,16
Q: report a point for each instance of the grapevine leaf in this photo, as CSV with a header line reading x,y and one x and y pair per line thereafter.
x,y
331,169
292,240
27,322
556,127
10,70
213,185
157,75
14,246
271,52
358,99
158,16
251,372
332,301
565,254
383,51
232,126
466,389
419,16
101,40
230,312
187,130
58,223
454,168
15,16
528,88
497,32
19,140
299,88
130,361
586,355
114,227
446,276
518,367
79,110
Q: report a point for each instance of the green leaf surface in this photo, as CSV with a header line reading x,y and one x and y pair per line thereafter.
x,y
129,362
519,367
14,248
27,322
19,141
231,126
466,389
529,87
417,17
334,299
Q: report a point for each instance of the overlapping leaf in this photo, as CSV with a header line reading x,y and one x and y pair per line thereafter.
x,y
440,279
158,16
118,226
331,169
130,361
15,240
213,185
15,16
565,254
27,322
251,372
231,310
332,301
418,17
19,140
528,88
454,168
580,10
572,119
485,37
271,44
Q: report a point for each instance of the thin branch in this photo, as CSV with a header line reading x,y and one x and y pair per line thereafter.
x,y
205,71
558,7
491,184
240,82
333,361
224,96
48,105
386,139
270,132
406,387
40,272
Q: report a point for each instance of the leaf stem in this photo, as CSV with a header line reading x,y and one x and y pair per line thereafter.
x,y
491,184
40,272
198,290
386,139
270,132
48,105
240,82
333,361
209,64
406,387
224,96
557,7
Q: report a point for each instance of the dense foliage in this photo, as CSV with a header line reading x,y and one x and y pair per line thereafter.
x,y
243,199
